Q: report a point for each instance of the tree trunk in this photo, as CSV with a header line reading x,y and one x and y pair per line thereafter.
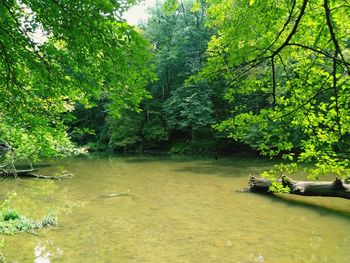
x,y
337,188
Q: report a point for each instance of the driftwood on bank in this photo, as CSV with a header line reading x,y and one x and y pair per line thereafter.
x,y
337,188
30,173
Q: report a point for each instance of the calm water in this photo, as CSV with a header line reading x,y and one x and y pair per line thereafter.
x,y
177,210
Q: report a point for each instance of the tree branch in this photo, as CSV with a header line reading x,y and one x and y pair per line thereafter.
x,y
294,29
332,34
29,41
336,52
334,75
281,31
258,59
273,80
321,52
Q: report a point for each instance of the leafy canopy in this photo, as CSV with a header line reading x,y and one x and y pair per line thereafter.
x,y
286,68
56,53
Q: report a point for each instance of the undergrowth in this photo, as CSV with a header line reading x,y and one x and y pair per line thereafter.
x,y
13,222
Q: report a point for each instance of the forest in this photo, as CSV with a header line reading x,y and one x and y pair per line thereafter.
x,y
198,77
217,78
239,76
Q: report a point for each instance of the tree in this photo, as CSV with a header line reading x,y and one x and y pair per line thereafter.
x,y
286,66
190,107
57,53
178,33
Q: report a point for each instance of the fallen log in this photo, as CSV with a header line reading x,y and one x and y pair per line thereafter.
x,y
337,188
5,173
30,173
52,177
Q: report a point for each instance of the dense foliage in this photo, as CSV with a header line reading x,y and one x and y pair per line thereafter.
x,y
55,55
179,113
286,66
70,71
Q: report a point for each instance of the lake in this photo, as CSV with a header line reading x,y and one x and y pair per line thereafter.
x,y
172,209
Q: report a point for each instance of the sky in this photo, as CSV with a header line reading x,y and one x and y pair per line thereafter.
x,y
139,12
133,16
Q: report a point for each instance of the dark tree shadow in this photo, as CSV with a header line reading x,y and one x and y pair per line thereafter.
x,y
226,168
321,209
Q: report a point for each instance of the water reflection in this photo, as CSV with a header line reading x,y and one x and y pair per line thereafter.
x,y
44,252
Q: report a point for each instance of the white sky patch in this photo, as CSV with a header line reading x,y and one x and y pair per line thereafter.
x,y
38,37
138,12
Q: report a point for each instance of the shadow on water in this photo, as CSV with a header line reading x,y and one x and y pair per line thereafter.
x,y
166,158
230,169
321,209
214,170
224,161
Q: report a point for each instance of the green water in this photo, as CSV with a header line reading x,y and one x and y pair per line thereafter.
x,y
176,210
